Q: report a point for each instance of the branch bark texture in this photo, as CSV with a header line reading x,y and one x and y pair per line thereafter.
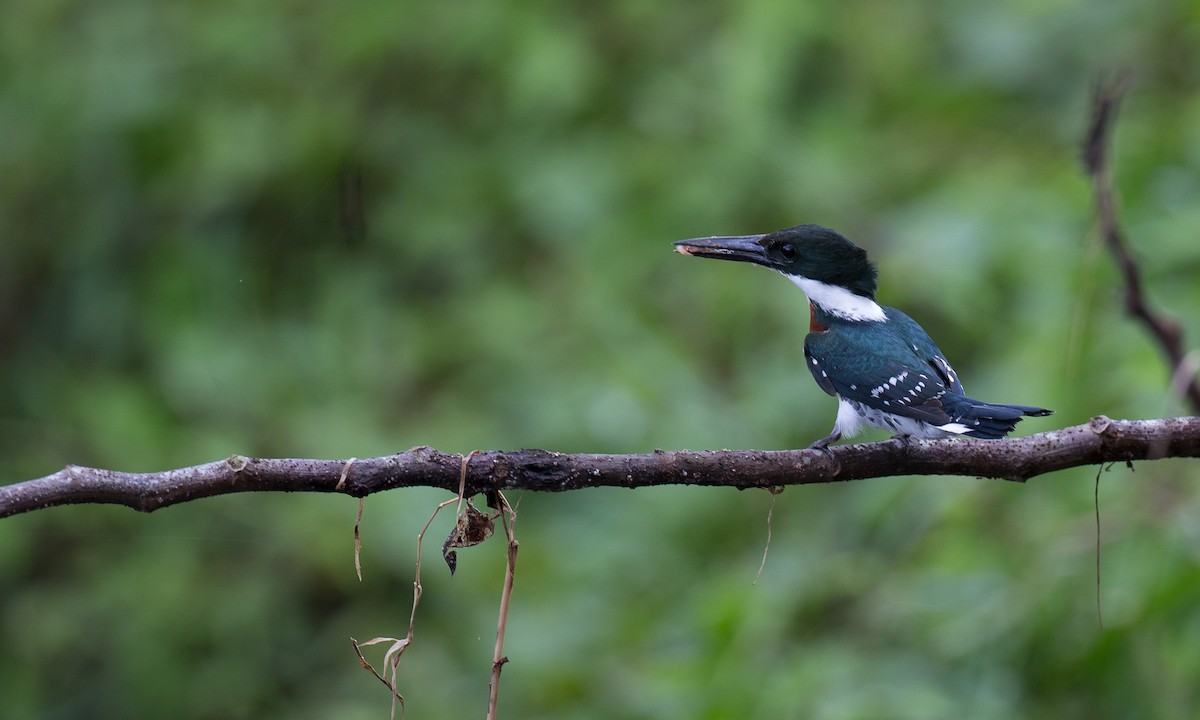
x,y
1099,441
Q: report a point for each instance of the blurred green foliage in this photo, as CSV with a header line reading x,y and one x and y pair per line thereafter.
x,y
344,229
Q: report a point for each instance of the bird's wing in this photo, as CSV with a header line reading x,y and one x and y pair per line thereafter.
x,y
923,347
818,372
879,381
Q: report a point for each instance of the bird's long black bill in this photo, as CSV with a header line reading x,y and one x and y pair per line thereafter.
x,y
743,248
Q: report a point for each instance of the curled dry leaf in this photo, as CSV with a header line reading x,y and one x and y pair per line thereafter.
x,y
391,661
473,527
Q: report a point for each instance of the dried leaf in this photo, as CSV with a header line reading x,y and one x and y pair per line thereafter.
x,y
473,527
358,540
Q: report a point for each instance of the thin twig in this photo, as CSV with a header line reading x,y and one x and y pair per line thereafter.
x,y
1096,502
358,540
391,660
462,481
509,518
1165,330
775,492
345,473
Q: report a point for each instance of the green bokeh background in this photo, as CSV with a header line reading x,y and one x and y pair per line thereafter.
x,y
344,229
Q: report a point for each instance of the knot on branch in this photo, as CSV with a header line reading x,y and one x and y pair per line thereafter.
x,y
1100,424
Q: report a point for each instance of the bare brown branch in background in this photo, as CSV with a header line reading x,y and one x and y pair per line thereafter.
x,y
1165,330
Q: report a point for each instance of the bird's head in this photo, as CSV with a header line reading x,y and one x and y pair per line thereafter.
x,y
802,253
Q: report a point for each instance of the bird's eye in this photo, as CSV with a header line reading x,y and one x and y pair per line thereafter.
x,y
788,251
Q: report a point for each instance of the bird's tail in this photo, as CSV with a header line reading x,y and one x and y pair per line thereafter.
x,y
989,421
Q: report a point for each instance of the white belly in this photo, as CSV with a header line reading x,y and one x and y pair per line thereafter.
x,y
852,416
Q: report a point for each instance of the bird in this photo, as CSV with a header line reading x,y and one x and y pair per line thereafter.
x,y
883,368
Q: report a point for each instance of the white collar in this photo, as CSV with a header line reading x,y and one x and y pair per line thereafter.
x,y
838,301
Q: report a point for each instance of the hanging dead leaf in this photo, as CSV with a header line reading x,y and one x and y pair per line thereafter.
x,y
473,527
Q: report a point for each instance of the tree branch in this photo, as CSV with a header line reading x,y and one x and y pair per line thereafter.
x,y
1165,331
1100,441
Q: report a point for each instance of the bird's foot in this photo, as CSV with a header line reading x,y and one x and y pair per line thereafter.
x,y
823,444
905,439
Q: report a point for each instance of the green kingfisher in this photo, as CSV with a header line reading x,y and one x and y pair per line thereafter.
x,y
881,365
